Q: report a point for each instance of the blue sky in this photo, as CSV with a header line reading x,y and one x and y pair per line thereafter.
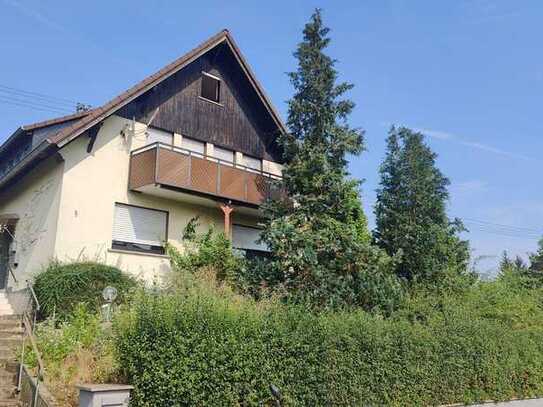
x,y
468,73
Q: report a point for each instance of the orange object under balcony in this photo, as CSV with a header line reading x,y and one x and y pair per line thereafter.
x,y
164,167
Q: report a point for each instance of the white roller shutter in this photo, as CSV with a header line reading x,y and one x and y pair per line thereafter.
x,y
159,136
227,156
245,237
252,162
139,225
193,145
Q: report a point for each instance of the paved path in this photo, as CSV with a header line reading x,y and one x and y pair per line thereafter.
x,y
516,403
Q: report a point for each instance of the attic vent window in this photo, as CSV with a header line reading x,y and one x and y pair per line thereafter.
x,y
211,87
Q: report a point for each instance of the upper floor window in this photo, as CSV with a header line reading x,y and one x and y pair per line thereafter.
x,y
195,146
159,136
252,163
211,87
223,154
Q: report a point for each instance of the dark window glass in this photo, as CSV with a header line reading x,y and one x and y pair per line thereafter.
x,y
211,88
136,247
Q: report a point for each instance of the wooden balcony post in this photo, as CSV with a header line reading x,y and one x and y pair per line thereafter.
x,y
227,210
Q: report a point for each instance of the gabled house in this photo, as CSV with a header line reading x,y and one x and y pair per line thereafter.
x,y
115,183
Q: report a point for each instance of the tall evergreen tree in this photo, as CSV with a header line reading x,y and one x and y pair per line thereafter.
x,y
536,259
411,211
318,235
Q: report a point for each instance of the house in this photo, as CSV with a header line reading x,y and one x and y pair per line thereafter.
x,y
115,183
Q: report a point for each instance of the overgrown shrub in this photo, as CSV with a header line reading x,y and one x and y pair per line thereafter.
x,y
206,348
76,350
203,251
61,286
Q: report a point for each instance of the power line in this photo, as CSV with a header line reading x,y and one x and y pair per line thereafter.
x,y
26,93
35,103
499,229
523,229
34,106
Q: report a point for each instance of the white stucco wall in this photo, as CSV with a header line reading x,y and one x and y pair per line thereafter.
x,y
35,201
66,206
94,182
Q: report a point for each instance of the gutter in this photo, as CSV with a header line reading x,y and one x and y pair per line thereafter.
x,y
35,156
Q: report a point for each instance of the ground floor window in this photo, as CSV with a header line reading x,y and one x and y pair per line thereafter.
x,y
139,229
247,240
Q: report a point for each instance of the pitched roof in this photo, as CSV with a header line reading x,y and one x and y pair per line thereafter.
x,y
97,115
56,120
83,121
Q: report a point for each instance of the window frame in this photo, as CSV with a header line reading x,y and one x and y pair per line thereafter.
x,y
137,247
218,88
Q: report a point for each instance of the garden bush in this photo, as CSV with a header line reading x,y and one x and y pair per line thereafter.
x,y
76,350
61,286
205,348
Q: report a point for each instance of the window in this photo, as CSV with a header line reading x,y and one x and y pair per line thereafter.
x,y
159,136
211,88
193,145
252,163
246,238
139,229
223,154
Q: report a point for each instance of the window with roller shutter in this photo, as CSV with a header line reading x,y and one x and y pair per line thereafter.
x,y
139,229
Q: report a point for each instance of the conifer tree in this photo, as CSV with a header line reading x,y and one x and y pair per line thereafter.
x,y
411,212
536,259
318,234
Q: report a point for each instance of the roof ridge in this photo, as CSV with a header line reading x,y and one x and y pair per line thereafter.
x,y
69,133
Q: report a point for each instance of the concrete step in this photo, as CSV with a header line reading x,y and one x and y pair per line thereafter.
x,y
8,378
7,391
9,324
12,342
8,353
10,366
15,332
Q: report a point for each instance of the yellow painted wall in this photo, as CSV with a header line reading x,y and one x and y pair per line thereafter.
x,y
35,200
91,186
66,206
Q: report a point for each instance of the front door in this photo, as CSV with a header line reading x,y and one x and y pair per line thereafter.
x,y
5,240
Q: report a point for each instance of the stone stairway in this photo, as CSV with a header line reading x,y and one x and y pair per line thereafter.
x,y
11,335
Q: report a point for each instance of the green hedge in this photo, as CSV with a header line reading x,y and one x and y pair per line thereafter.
x,y
210,350
61,286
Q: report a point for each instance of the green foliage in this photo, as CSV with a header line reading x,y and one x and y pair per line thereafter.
x,y
58,341
536,259
410,212
76,350
209,349
317,232
205,250
60,287
517,270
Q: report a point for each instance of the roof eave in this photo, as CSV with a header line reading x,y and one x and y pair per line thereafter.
x,y
31,158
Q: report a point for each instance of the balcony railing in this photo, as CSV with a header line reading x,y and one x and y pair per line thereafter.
x,y
189,171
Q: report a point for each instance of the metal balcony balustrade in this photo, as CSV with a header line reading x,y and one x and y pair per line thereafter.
x,y
189,171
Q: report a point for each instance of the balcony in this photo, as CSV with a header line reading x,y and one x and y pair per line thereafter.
x,y
166,167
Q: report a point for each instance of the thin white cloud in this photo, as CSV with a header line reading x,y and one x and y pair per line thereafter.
x,y
445,136
35,15
470,186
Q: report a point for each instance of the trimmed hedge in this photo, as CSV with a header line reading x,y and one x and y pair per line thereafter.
x,y
60,287
208,349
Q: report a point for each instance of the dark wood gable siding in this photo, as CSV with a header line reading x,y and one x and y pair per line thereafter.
x,y
240,123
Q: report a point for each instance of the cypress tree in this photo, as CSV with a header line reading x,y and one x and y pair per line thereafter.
x,y
318,234
411,212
